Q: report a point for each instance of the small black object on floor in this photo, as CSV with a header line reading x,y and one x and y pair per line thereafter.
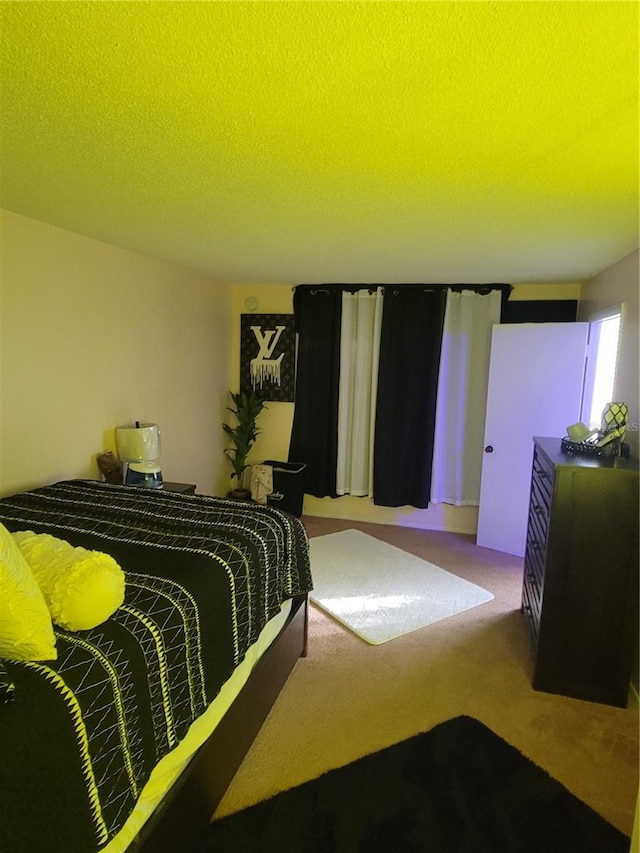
x,y
458,788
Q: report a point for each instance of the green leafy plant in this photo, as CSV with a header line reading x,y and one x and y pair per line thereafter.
x,y
243,435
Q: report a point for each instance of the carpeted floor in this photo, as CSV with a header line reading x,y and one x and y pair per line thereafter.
x,y
348,699
456,789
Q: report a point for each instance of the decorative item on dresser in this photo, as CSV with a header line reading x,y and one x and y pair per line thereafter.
x,y
580,587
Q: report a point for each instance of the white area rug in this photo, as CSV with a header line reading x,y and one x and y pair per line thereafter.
x,y
381,592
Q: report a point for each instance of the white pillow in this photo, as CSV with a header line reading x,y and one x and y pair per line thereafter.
x,y
26,632
82,588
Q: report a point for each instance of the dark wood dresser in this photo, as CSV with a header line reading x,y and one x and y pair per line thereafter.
x,y
580,587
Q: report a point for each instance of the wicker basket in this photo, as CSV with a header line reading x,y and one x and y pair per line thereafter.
x,y
613,448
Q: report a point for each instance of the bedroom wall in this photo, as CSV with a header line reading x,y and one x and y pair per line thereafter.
x,y
92,336
276,422
619,284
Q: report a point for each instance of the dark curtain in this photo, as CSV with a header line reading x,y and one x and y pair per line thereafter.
x,y
410,345
314,435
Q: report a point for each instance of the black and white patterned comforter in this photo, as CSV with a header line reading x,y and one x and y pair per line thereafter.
x,y
203,577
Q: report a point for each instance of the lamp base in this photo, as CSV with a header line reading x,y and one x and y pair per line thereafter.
x,y
149,479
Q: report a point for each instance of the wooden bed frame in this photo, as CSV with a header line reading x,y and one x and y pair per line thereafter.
x,y
181,820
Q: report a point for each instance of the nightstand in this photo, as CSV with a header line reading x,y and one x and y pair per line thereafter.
x,y
183,488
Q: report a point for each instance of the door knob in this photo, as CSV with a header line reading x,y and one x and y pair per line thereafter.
x,y
488,449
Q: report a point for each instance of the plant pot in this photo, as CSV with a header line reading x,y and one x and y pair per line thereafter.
x,y
239,494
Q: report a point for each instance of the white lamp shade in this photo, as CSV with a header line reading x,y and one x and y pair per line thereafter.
x,y
139,443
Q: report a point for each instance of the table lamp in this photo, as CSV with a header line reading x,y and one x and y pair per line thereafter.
x,y
139,446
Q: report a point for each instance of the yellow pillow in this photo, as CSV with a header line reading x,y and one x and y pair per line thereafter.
x,y
82,588
26,632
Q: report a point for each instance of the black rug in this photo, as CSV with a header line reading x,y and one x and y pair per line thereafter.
x,y
456,789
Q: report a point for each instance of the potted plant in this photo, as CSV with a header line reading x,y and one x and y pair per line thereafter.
x,y
247,408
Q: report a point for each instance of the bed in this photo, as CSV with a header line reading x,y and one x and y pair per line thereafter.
x,y
128,740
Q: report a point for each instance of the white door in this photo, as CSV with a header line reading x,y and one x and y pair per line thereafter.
x,y
535,387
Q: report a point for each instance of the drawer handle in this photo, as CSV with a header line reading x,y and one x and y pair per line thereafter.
x,y
535,545
538,509
532,578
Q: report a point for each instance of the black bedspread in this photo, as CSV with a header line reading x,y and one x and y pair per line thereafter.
x,y
203,577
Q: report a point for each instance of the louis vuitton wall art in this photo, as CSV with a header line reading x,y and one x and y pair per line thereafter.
x,y
267,355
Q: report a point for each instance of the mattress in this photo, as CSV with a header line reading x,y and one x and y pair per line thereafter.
x,y
171,766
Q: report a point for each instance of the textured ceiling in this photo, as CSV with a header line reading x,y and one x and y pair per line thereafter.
x,y
307,142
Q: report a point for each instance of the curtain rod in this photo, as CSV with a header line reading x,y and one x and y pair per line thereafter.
x,y
478,288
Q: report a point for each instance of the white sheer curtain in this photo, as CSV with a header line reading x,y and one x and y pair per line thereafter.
x,y
359,356
462,396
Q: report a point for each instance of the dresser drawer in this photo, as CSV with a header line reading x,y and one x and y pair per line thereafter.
x,y
540,506
531,609
534,573
543,477
536,547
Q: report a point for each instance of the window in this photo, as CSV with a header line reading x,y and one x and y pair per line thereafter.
x,y
602,362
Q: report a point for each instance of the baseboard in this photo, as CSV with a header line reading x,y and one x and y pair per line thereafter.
x,y
438,517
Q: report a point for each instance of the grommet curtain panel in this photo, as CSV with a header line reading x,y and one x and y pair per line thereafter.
x,y
462,396
314,434
410,342
359,353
